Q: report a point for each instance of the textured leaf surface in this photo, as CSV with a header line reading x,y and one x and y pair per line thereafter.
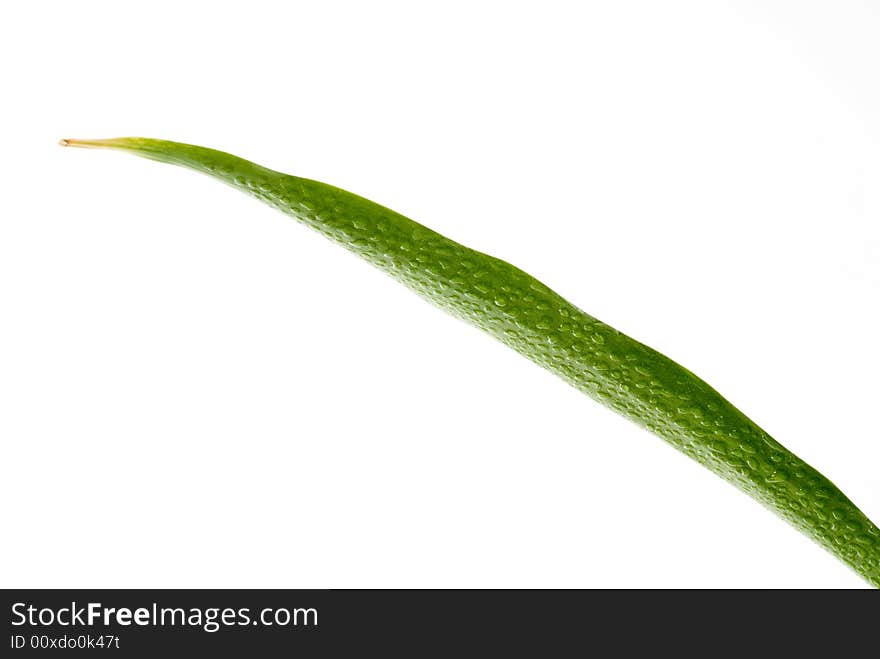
x,y
502,300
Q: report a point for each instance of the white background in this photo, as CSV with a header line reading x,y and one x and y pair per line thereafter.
x,y
197,391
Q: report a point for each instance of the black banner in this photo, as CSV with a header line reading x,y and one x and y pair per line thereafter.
x,y
412,622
